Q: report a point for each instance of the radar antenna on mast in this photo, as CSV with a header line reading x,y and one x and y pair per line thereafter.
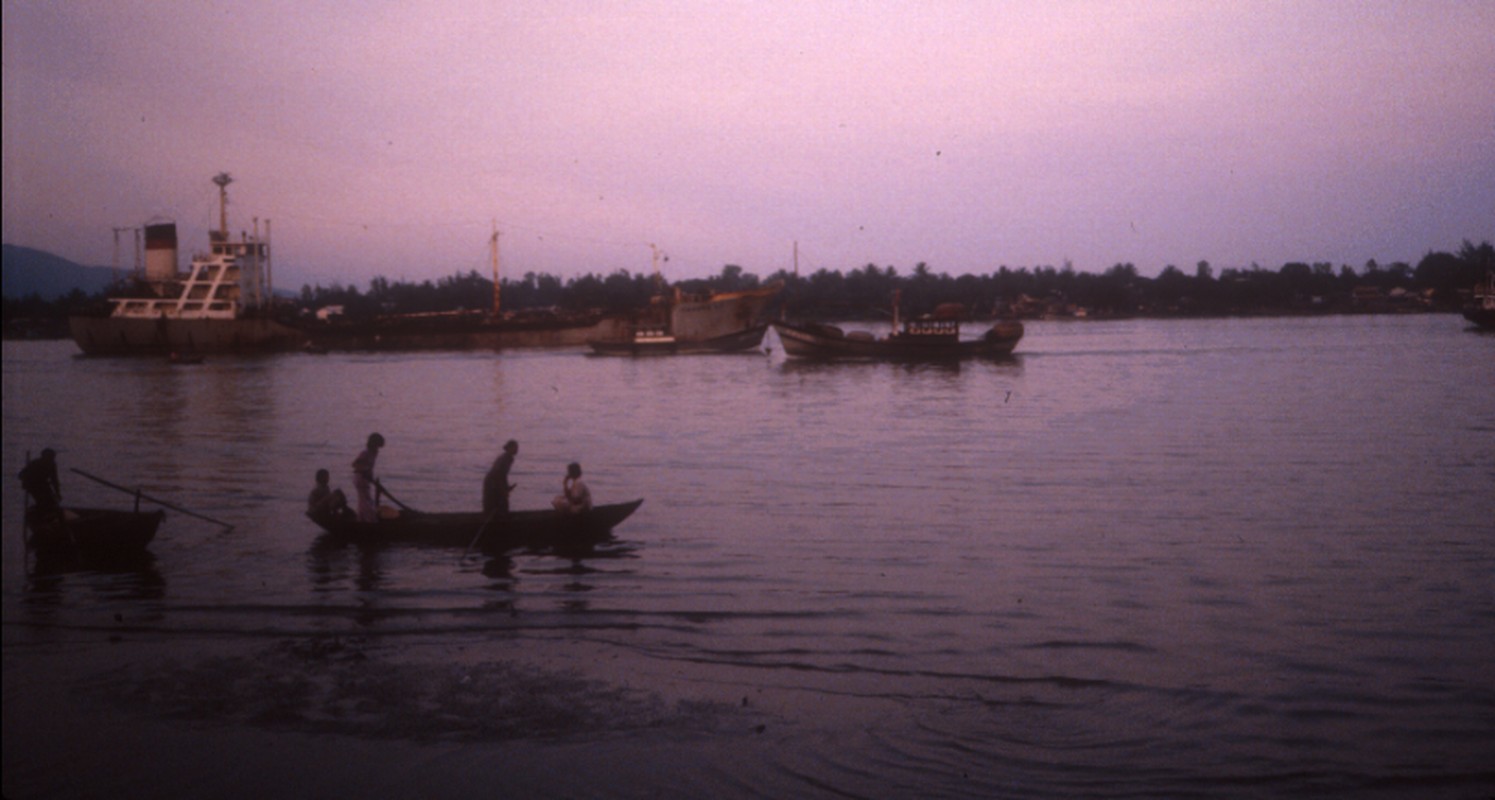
x,y
223,180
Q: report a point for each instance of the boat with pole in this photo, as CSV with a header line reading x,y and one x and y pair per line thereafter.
x,y
545,530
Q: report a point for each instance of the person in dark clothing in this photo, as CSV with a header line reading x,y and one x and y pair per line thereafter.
x,y
325,500
39,479
496,486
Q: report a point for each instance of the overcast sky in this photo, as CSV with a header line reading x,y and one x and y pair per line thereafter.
x,y
386,138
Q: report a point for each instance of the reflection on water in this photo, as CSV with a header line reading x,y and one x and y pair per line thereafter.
x,y
1144,558
56,581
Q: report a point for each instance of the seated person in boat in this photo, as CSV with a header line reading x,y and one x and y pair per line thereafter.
x,y
575,497
39,479
326,500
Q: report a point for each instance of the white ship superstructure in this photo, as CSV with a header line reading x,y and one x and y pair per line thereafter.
x,y
222,302
225,282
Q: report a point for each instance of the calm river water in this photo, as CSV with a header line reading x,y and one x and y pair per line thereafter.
x,y
1141,559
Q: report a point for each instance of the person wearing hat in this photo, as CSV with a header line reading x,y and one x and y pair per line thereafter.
x,y
496,486
39,479
363,479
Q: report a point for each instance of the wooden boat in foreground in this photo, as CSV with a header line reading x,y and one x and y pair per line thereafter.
x,y
929,337
546,529
95,533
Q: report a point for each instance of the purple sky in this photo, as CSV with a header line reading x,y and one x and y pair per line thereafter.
x,y
386,138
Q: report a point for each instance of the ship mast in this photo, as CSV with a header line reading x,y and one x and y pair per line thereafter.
x,y
493,254
223,180
269,273
117,232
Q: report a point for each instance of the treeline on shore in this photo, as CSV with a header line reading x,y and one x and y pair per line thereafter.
x,y
1440,281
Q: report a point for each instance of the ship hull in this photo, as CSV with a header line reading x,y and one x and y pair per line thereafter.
x,y
722,315
1481,316
726,322
460,332
829,343
739,342
124,336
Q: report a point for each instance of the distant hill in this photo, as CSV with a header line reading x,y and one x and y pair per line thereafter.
x,y
28,271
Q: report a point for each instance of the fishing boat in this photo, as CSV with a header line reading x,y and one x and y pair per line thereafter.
x,y
222,303
544,529
677,321
94,533
929,337
1481,309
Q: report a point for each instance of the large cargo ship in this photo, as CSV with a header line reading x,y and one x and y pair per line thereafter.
x,y
462,330
222,303
468,329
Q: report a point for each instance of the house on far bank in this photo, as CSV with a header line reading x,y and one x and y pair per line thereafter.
x,y
1370,299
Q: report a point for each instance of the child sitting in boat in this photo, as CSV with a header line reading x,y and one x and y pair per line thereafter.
x,y
326,500
575,497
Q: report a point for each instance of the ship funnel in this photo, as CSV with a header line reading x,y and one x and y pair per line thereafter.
x,y
160,252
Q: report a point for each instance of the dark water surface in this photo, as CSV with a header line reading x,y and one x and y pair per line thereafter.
x,y
1144,558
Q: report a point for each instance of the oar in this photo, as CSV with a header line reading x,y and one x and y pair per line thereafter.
x,y
481,530
158,501
396,500
484,529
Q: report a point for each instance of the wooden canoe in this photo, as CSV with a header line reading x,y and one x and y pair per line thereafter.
x,y
92,532
545,529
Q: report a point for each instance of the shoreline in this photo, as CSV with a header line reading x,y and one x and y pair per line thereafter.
x,y
162,716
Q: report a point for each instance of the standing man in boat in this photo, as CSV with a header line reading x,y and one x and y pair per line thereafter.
x,y
496,486
39,479
363,479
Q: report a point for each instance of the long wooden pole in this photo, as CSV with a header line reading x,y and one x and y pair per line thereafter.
x,y
158,501
386,493
482,530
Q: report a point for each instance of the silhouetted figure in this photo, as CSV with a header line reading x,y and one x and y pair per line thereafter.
x,y
496,486
363,479
575,497
325,500
39,479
